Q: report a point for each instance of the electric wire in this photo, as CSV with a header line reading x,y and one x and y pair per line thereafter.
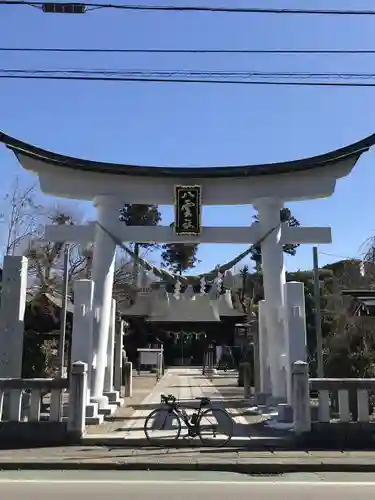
x,y
196,76
188,81
191,73
201,8
186,51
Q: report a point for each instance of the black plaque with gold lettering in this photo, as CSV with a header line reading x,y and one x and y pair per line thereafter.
x,y
187,210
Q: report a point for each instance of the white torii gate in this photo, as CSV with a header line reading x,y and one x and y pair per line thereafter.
x,y
267,187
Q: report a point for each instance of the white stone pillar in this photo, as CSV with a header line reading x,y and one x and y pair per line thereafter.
x,y
13,303
77,402
119,341
273,284
296,328
102,274
83,326
301,398
265,381
108,376
112,395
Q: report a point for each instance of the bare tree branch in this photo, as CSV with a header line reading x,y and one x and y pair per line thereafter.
x,y
20,212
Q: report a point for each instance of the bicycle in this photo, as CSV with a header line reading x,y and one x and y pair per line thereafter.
x,y
194,423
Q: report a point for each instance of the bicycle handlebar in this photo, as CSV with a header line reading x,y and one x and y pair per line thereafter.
x,y
170,399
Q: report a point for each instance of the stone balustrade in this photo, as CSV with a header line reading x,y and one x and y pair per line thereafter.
x,y
308,417
327,387
21,399
22,416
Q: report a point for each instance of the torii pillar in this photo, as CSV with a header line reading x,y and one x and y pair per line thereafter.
x,y
273,270
103,268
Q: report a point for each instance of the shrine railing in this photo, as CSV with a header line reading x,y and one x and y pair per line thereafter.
x,y
31,410
343,400
331,404
21,400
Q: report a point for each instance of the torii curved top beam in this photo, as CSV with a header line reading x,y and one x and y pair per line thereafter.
x,y
320,161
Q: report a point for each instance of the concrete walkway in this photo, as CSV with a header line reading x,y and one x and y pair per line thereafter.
x,y
186,384
143,384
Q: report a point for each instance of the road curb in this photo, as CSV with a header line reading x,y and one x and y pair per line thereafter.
x,y
257,468
247,444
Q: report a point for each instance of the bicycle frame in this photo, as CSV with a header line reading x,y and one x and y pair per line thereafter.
x,y
174,407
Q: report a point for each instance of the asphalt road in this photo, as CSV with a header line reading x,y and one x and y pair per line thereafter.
x,y
93,485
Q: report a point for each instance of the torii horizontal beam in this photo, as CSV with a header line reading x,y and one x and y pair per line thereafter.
x,y
85,234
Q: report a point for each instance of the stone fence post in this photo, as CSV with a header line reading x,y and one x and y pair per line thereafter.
x,y
301,398
159,366
246,367
12,311
119,339
77,401
205,360
208,366
127,370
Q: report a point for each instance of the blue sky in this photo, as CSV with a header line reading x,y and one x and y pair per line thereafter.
x,y
174,124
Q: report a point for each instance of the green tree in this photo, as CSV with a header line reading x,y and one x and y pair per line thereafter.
x,y
140,215
350,353
285,217
179,257
328,316
244,273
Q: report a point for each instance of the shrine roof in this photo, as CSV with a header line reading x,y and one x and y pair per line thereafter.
x,y
324,160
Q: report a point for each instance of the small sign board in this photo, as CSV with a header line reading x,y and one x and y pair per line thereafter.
x,y
188,210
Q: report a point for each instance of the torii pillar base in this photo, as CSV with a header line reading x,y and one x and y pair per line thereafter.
x,y
114,398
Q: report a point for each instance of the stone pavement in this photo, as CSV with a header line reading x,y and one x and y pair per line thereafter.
x,y
143,385
187,384
228,459
263,419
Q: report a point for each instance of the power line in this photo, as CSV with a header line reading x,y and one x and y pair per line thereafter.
x,y
195,76
188,8
187,51
184,80
162,73
344,257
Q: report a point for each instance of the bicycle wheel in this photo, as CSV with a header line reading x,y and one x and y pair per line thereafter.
x,y
162,427
215,427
